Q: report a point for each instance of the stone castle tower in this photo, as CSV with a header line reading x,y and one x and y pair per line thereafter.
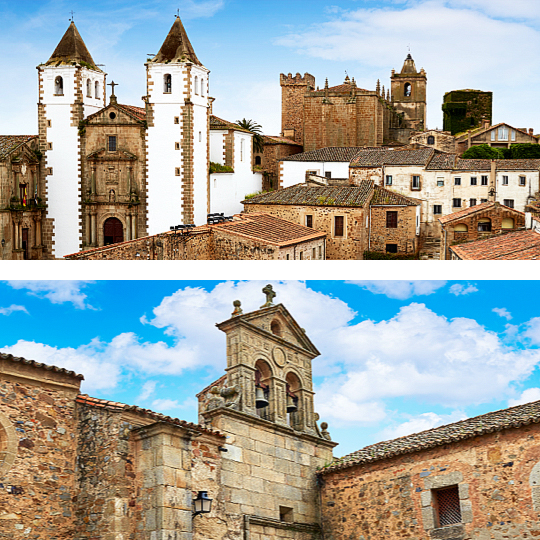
x,y
71,87
409,94
177,106
293,90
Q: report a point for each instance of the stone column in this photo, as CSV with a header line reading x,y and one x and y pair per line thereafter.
x,y
38,231
134,226
88,228
94,229
93,182
128,227
130,181
15,236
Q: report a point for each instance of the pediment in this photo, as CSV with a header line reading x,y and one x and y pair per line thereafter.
x,y
121,116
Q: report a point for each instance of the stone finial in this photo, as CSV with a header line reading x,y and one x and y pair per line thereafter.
x,y
270,295
347,80
383,93
324,431
388,95
237,309
378,89
353,82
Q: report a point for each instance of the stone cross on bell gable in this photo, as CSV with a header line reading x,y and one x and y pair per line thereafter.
x,y
270,295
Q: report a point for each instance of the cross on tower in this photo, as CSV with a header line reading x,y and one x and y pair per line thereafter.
x,y
178,13
72,13
113,84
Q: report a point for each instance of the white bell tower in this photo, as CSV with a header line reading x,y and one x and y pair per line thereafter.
x,y
178,136
71,87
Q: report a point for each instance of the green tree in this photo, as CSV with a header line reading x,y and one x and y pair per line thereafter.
x,y
525,151
482,151
256,129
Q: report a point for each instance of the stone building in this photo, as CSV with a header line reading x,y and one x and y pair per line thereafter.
x,y
275,148
443,141
477,479
466,109
478,222
73,467
345,115
23,195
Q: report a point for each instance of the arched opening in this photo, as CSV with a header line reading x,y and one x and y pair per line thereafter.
x,y
275,328
507,223
59,86
431,139
263,375
196,85
113,231
293,405
97,89
258,160
461,227
202,87
407,90
167,84
88,88
484,225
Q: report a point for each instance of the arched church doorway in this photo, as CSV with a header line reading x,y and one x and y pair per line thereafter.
x,y
113,231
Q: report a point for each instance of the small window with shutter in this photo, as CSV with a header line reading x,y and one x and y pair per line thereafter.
x,y
391,219
338,226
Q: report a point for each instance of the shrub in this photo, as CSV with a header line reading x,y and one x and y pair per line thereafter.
x,y
482,151
218,168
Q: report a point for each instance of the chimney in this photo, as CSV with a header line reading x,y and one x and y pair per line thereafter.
x,y
485,123
531,132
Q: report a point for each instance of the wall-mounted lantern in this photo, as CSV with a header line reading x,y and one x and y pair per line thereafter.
x,y
202,504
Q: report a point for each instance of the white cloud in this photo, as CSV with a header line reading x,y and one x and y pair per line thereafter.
x,y
11,309
147,390
400,290
502,312
460,290
58,292
163,405
419,423
527,396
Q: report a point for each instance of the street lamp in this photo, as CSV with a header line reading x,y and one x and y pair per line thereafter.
x,y
202,504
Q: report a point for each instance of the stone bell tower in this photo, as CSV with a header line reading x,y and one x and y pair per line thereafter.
x,y
264,406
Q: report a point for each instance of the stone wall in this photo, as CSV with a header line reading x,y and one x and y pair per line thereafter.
x,y
293,90
38,443
358,174
351,245
404,235
496,474
444,140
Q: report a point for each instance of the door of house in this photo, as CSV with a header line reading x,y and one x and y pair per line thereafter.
x,y
25,244
113,231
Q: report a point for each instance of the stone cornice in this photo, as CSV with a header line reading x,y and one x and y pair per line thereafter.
x,y
278,524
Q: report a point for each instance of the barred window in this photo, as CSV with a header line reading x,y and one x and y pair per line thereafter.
x,y
391,219
112,143
447,505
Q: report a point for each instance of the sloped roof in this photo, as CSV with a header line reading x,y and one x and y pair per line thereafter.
x,y
72,49
514,417
387,197
332,153
516,246
441,161
85,399
481,130
309,195
408,66
33,363
268,229
219,123
385,156
500,164
455,216
138,112
10,143
176,47
278,139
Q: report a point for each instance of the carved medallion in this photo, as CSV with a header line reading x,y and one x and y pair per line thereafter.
x,y
279,356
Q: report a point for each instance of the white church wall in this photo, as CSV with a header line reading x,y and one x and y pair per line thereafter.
x,y
200,164
217,146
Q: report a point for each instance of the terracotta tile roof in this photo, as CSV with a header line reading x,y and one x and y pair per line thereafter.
x,y
442,161
344,88
269,229
9,143
277,139
384,156
308,195
481,129
85,399
138,112
514,417
387,197
501,164
473,210
516,246
333,153
33,363
219,123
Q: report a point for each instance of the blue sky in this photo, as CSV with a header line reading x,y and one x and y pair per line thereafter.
x,y
396,356
482,44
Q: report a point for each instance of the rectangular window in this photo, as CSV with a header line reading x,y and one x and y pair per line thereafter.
x,y
176,119
473,181
112,143
509,203
301,255
49,123
437,208
493,135
505,180
391,248
457,181
440,182
513,134
320,252
49,146
313,254
328,174
309,222
456,203
177,171
177,146
472,202
388,180
483,200
447,505
200,136
522,180
484,180
503,133
415,184
286,514
391,219
338,226
287,256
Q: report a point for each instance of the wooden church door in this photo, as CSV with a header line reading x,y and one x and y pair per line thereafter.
x,y
113,232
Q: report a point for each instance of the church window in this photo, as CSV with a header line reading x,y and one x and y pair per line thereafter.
x,y
112,116
407,89
177,146
431,139
263,377
88,88
49,123
275,328
96,90
242,150
202,87
338,225
293,392
59,86
49,146
197,85
167,84
112,143
484,180
286,514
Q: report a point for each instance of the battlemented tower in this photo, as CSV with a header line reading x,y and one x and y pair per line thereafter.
x,y
293,90
409,90
177,107
71,87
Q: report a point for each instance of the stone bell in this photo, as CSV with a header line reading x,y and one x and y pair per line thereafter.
x,y
292,404
260,398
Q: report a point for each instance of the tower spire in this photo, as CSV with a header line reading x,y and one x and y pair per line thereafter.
x,y
176,47
72,49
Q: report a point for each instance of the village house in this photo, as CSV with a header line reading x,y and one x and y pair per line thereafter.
x,y
478,222
443,141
